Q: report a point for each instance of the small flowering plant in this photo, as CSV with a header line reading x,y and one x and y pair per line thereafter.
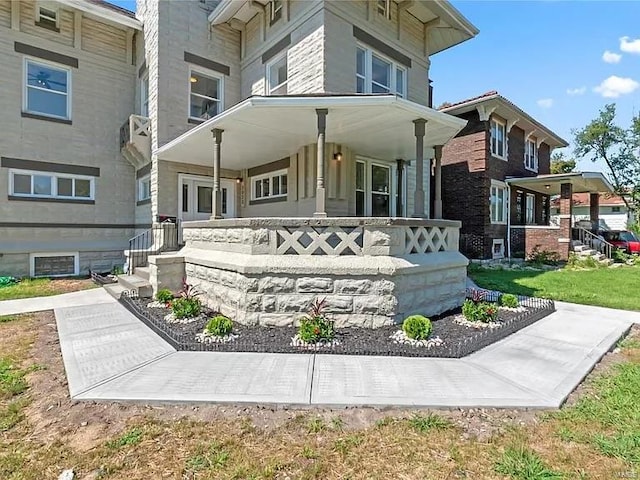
x,y
476,309
314,326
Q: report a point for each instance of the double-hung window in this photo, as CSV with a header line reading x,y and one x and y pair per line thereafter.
x,y
498,139
277,76
47,89
47,17
144,188
530,209
499,203
269,185
275,11
205,96
531,155
377,74
384,8
144,95
26,183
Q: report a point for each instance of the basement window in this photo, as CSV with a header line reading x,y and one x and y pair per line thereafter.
x,y
54,264
47,17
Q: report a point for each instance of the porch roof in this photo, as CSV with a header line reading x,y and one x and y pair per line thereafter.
x,y
582,182
262,129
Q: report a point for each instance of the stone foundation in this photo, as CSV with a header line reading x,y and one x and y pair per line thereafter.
x,y
265,271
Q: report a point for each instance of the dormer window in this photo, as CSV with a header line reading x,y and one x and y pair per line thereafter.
x,y
384,8
47,17
275,11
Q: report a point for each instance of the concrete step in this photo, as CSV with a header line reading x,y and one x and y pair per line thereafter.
x,y
576,243
586,253
579,247
142,272
114,289
136,284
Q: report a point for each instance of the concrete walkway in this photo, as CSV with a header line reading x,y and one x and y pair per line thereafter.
x,y
94,296
110,355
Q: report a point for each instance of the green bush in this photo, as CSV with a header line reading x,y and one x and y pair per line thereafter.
x,y
6,281
417,327
620,256
219,326
164,295
508,300
484,312
542,257
316,329
577,261
117,270
186,307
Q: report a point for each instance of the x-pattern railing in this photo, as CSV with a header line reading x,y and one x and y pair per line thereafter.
x,y
319,241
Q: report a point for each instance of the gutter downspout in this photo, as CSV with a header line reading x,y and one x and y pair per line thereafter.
x,y
509,222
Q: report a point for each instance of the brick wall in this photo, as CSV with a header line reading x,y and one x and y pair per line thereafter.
x,y
524,240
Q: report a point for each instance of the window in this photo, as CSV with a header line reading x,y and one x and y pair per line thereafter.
x,y
530,209
270,185
277,76
205,99
531,155
497,249
384,8
47,90
275,11
499,203
373,189
144,95
498,138
377,74
545,210
144,188
51,185
615,209
56,264
47,17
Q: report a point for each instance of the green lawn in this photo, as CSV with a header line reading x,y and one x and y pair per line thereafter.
x,y
44,287
605,287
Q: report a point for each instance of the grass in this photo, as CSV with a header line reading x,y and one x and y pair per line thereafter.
x,y
598,437
605,287
44,287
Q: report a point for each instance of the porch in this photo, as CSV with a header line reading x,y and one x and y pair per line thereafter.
x,y
332,194
563,237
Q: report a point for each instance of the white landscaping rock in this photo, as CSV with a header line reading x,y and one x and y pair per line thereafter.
x,y
171,318
206,337
401,337
296,341
460,320
67,475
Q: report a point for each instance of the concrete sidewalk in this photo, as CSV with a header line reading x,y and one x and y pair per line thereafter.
x,y
94,296
111,355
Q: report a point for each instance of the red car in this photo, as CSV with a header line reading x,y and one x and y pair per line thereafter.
x,y
624,240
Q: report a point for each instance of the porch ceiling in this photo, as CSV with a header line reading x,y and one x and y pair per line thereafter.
x,y
582,182
263,129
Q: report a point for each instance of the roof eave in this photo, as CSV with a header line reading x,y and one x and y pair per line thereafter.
x,y
104,13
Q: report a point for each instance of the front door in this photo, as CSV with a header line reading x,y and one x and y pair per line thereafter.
x,y
373,189
196,198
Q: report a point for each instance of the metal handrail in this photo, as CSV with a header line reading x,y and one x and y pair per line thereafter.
x,y
595,242
161,237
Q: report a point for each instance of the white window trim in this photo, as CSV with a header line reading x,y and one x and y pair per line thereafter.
x,y
368,190
526,209
144,94
505,140
76,263
270,63
51,7
269,175
141,181
54,184
274,11
527,165
386,11
368,67
211,75
497,241
25,87
499,185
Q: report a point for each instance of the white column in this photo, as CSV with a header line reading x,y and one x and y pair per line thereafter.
x,y
320,189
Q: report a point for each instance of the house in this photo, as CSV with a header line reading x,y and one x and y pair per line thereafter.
x,y
496,180
613,212
68,81
287,144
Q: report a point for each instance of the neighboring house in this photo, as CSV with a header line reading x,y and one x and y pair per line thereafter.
x,y
68,81
500,141
299,117
613,212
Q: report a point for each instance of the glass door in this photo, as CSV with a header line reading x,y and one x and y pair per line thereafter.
x,y
197,202
373,189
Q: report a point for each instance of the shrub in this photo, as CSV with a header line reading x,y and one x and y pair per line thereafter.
x,y
417,327
117,270
219,326
6,281
508,300
620,256
315,327
164,295
189,291
577,261
186,307
479,311
543,257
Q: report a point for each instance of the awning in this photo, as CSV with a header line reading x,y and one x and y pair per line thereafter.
x,y
263,129
582,182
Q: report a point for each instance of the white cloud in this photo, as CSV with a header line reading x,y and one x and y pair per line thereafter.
x,y
630,45
611,57
577,91
545,102
614,86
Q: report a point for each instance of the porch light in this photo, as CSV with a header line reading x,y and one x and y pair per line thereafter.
x,y
337,156
239,180
547,186
193,79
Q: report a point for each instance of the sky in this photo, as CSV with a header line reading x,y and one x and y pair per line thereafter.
x,y
560,61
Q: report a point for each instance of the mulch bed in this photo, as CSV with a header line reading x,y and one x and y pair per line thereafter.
x,y
459,340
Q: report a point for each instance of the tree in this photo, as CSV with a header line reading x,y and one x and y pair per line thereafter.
x,y
618,148
562,164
